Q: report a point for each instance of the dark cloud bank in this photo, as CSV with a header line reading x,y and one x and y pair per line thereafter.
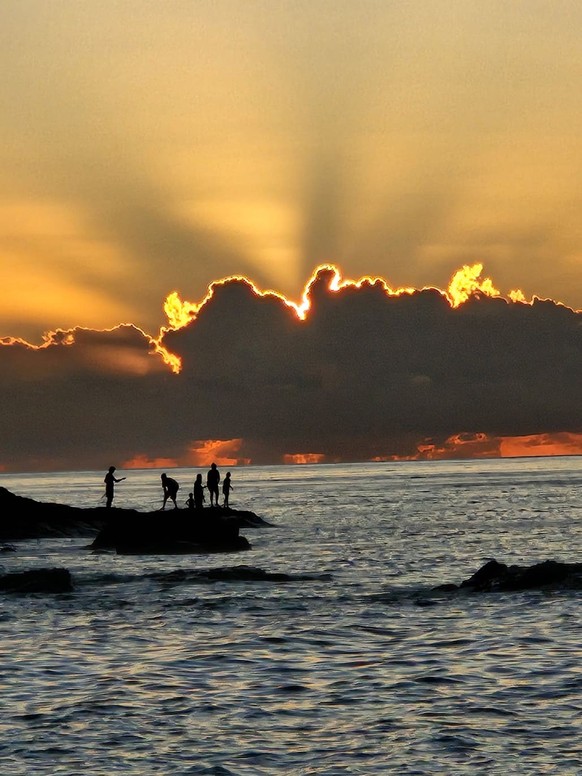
x,y
365,375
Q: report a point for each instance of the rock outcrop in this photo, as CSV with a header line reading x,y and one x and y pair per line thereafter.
x,y
499,576
24,518
173,531
127,530
37,581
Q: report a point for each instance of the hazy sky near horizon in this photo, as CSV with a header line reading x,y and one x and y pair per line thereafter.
x,y
155,146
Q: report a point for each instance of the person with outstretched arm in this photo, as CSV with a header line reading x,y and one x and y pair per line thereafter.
x,y
110,480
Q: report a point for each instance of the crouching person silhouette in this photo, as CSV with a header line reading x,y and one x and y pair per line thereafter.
x,y
171,488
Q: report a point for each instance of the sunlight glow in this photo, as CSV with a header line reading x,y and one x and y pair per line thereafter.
x,y
480,445
55,288
141,461
179,313
222,451
466,282
562,443
303,458
262,230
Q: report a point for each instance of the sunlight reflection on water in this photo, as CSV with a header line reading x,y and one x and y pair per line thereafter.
x,y
140,671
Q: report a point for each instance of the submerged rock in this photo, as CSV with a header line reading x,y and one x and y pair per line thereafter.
x,y
499,576
235,574
37,581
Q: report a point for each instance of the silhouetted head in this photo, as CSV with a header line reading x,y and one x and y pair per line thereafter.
x,y
112,469
163,476
213,466
198,476
228,474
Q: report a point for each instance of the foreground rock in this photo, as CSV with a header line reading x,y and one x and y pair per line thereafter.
x,y
173,531
24,518
37,581
127,530
499,576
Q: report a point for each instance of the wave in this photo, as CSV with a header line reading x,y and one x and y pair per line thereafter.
x,y
60,580
236,574
490,578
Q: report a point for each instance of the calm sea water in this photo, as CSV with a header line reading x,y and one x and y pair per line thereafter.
x,y
341,660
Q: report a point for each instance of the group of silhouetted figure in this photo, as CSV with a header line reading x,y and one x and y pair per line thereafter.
x,y
171,487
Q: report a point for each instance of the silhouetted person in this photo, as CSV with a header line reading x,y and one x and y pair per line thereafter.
x,y
212,480
171,488
190,501
198,492
226,488
110,480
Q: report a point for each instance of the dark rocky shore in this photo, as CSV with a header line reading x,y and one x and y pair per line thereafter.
x,y
212,529
24,518
124,531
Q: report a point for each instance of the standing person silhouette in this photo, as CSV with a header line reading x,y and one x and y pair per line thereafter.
x,y
212,480
198,492
226,488
110,480
171,488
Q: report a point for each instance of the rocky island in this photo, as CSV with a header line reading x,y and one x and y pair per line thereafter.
x,y
213,529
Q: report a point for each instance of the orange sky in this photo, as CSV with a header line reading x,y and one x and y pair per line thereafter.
x,y
157,147
152,153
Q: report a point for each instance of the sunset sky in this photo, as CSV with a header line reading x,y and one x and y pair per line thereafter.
x,y
152,148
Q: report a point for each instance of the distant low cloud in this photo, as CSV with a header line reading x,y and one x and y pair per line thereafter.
x,y
366,374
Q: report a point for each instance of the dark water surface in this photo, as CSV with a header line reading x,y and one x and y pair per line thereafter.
x,y
323,649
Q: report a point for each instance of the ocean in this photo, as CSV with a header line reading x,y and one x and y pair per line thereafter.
x,y
324,649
